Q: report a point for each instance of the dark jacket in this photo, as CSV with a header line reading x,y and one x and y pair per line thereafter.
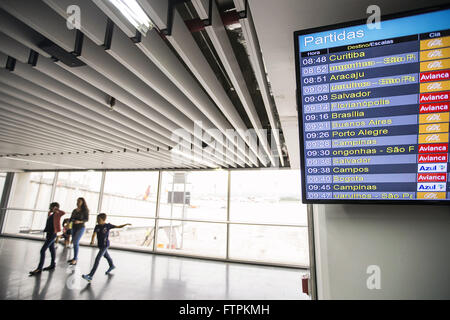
x,y
82,215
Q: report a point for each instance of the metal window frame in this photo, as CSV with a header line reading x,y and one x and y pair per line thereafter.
x,y
7,187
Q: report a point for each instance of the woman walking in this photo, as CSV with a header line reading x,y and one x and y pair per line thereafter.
x,y
52,227
79,217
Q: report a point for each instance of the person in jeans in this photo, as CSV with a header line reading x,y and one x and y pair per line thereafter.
x,y
79,217
52,227
102,231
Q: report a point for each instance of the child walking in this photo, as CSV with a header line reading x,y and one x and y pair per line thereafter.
x,y
52,227
67,232
102,231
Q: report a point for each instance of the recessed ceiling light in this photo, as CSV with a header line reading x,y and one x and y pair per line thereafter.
x,y
133,12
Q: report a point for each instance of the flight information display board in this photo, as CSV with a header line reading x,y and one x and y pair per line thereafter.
x,y
374,110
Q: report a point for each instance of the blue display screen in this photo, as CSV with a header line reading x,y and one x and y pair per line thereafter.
x,y
374,110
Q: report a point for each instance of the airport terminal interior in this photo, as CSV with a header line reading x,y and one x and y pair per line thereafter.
x,y
206,131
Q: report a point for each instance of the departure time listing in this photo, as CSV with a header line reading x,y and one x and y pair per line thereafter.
x,y
376,118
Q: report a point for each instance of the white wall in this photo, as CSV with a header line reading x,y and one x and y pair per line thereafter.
x,y
411,244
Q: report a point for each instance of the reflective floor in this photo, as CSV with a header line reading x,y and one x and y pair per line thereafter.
x,y
139,276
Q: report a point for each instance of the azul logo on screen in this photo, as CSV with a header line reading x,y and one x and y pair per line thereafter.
x,y
432,167
333,37
431,186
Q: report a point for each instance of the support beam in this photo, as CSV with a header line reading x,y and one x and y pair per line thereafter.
x,y
219,38
5,197
256,59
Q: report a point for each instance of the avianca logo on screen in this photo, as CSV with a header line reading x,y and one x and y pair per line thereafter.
x,y
433,158
430,186
434,76
432,167
432,177
434,107
433,147
434,97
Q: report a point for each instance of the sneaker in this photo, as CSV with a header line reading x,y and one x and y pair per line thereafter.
x,y
50,267
87,277
110,269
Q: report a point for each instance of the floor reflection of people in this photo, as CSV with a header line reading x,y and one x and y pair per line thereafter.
x,y
72,283
39,294
90,291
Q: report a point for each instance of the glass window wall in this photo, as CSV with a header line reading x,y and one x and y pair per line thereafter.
x,y
264,222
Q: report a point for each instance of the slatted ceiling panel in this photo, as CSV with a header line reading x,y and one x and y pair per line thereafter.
x,y
59,105
154,93
156,10
132,105
256,59
212,164
3,59
102,63
51,69
112,119
57,146
157,51
60,141
18,164
136,62
222,45
63,128
92,161
161,151
95,19
66,125
89,158
143,114
68,142
183,42
8,147
10,47
129,55
18,31
36,16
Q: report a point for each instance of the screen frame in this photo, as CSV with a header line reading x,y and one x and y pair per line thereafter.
x,y
300,108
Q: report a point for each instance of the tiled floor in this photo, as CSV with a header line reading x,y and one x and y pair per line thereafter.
x,y
139,276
